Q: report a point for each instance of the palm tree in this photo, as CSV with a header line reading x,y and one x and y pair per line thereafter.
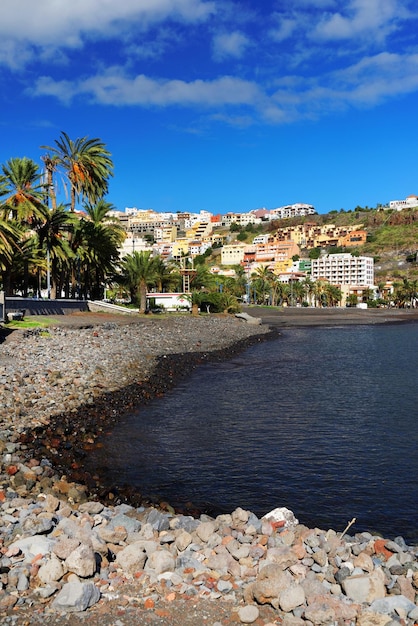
x,y
86,163
297,290
9,235
279,292
24,265
23,207
262,279
308,289
166,274
51,164
139,273
405,293
96,243
332,294
202,278
53,240
23,191
318,291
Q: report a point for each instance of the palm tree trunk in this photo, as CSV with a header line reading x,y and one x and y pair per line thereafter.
x,y
142,296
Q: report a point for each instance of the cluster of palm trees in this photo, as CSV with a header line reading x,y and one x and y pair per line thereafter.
x,y
46,243
264,287
406,294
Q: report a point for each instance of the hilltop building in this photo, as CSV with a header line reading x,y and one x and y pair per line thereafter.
x,y
292,210
409,203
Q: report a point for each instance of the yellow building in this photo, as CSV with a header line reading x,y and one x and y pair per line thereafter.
x,y
233,253
180,247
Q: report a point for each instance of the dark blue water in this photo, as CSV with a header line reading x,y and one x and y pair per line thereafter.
x,y
322,420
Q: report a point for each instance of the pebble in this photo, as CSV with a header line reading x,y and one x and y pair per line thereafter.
x,y
62,550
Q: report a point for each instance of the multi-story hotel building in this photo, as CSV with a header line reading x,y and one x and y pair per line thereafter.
x,y
344,269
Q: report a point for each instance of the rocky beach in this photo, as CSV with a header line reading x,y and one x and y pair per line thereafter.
x,y
72,549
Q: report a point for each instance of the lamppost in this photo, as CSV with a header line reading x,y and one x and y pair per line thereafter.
x,y
133,239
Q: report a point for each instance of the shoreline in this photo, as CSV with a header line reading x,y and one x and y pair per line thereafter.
x,y
48,497
292,317
72,460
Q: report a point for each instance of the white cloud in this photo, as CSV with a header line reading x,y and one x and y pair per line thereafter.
x,y
360,17
227,45
369,82
285,29
114,88
42,24
375,79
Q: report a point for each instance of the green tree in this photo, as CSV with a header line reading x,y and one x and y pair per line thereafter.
x,y
22,206
9,236
96,243
315,253
262,279
53,241
139,274
297,292
352,299
22,192
85,162
332,294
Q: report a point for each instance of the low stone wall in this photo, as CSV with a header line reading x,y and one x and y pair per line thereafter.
x,y
32,306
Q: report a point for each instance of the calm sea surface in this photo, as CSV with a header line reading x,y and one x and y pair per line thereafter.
x,y
323,421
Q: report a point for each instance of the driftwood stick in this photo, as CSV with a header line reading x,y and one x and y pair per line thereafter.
x,y
353,521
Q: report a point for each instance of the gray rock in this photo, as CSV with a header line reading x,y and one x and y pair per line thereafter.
x,y
187,561
51,571
249,318
185,522
92,508
206,530
76,596
159,521
82,561
132,558
392,603
183,540
224,586
160,561
248,614
291,597
130,524
37,544
65,546
365,588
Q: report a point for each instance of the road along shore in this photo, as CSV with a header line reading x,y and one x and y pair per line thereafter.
x,y
66,551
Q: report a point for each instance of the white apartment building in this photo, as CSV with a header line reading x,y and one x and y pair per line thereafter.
x,y
262,238
194,218
344,269
292,210
242,219
133,244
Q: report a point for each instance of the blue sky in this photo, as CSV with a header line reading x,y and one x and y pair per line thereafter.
x,y
220,105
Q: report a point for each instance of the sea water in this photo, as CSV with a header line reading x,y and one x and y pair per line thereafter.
x,y
321,420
